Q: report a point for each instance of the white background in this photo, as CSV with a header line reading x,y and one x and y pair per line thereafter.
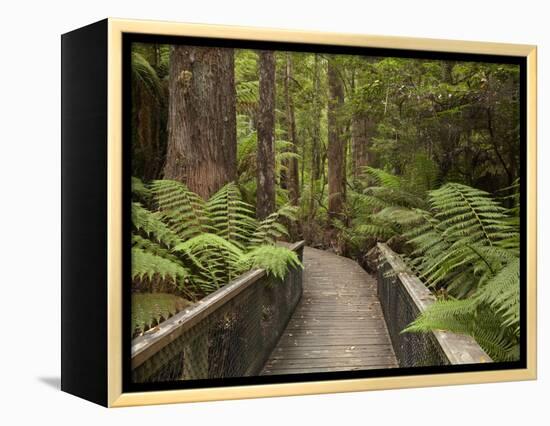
x,y
30,211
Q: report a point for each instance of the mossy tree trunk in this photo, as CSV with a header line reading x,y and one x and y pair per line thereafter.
x,y
315,154
265,188
336,144
292,176
202,139
362,128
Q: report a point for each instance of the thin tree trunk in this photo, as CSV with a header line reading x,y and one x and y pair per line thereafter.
x,y
202,138
265,192
292,164
315,140
361,134
336,145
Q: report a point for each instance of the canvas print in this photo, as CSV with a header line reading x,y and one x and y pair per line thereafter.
x,y
302,214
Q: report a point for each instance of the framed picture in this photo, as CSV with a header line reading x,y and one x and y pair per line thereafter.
x,y
254,212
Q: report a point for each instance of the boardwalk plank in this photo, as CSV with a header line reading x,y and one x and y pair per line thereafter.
x,y
338,324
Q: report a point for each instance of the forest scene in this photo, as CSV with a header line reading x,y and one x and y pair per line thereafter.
x,y
237,153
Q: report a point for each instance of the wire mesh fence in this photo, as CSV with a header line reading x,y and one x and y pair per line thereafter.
x,y
230,333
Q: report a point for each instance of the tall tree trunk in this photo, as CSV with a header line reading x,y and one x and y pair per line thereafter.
x,y
202,135
292,163
361,134
336,145
315,167
265,191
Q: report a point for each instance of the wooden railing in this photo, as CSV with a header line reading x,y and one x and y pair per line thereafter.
x,y
403,297
229,333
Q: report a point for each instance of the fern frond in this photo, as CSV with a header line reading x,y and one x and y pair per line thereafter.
x,y
467,245
139,190
182,209
382,178
247,96
153,247
270,229
149,309
146,265
501,292
231,218
275,260
470,213
152,226
215,259
147,77
375,230
450,315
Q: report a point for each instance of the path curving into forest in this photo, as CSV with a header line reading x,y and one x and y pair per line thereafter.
x,y
338,324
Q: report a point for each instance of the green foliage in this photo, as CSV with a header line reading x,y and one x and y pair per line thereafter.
x,y
199,246
146,265
383,179
230,216
149,309
461,242
215,260
271,229
145,75
276,260
469,317
181,209
152,226
139,191
247,96
380,207
463,247
430,122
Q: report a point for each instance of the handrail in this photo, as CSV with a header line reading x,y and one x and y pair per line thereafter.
x,y
152,341
458,348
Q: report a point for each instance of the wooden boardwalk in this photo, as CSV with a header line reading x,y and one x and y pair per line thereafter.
x,y
338,324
